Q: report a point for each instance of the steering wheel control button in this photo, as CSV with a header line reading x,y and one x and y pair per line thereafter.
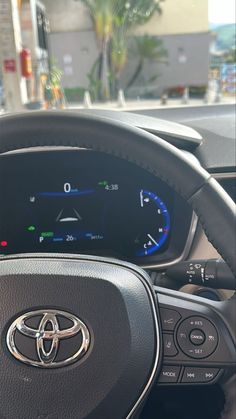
x,y
169,345
197,337
169,375
199,375
169,319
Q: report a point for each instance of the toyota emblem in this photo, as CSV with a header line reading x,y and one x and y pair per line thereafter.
x,y
46,338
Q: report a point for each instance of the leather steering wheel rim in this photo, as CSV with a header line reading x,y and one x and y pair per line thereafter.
x,y
215,209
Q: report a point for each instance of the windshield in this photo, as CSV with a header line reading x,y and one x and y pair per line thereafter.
x,y
116,54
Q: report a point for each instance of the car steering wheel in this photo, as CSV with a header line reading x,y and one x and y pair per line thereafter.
x,y
84,336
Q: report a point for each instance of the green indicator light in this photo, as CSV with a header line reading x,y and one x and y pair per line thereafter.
x,y
103,183
31,228
47,234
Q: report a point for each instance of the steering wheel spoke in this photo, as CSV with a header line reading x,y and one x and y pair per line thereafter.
x,y
198,340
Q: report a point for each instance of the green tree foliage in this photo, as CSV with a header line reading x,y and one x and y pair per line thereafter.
x,y
147,48
230,56
137,12
112,19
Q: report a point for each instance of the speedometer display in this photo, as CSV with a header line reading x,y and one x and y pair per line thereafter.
x,y
95,215
76,203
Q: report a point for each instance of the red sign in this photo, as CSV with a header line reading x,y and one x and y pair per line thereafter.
x,y
9,66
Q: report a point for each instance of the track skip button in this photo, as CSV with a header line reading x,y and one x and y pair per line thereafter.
x,y
199,375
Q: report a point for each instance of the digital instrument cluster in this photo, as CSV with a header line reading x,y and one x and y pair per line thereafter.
x,y
83,202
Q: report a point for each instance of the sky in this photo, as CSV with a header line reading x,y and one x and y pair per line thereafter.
x,y
221,11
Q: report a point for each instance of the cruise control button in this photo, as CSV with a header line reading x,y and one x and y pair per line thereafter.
x,y
196,352
169,345
197,337
199,375
169,318
169,374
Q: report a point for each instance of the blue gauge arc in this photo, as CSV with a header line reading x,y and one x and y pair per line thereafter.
x,y
160,239
75,192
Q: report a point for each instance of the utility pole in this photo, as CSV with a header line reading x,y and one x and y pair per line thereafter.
x,y
15,89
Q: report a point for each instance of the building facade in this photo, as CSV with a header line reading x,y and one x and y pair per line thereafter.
x,y
183,27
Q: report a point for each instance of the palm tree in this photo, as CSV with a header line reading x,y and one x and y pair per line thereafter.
x,y
119,52
128,15
112,19
101,12
137,12
147,48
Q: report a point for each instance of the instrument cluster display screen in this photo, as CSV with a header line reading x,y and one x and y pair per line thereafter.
x,y
82,202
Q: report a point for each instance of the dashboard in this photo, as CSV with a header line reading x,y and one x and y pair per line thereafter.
x,y
81,201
